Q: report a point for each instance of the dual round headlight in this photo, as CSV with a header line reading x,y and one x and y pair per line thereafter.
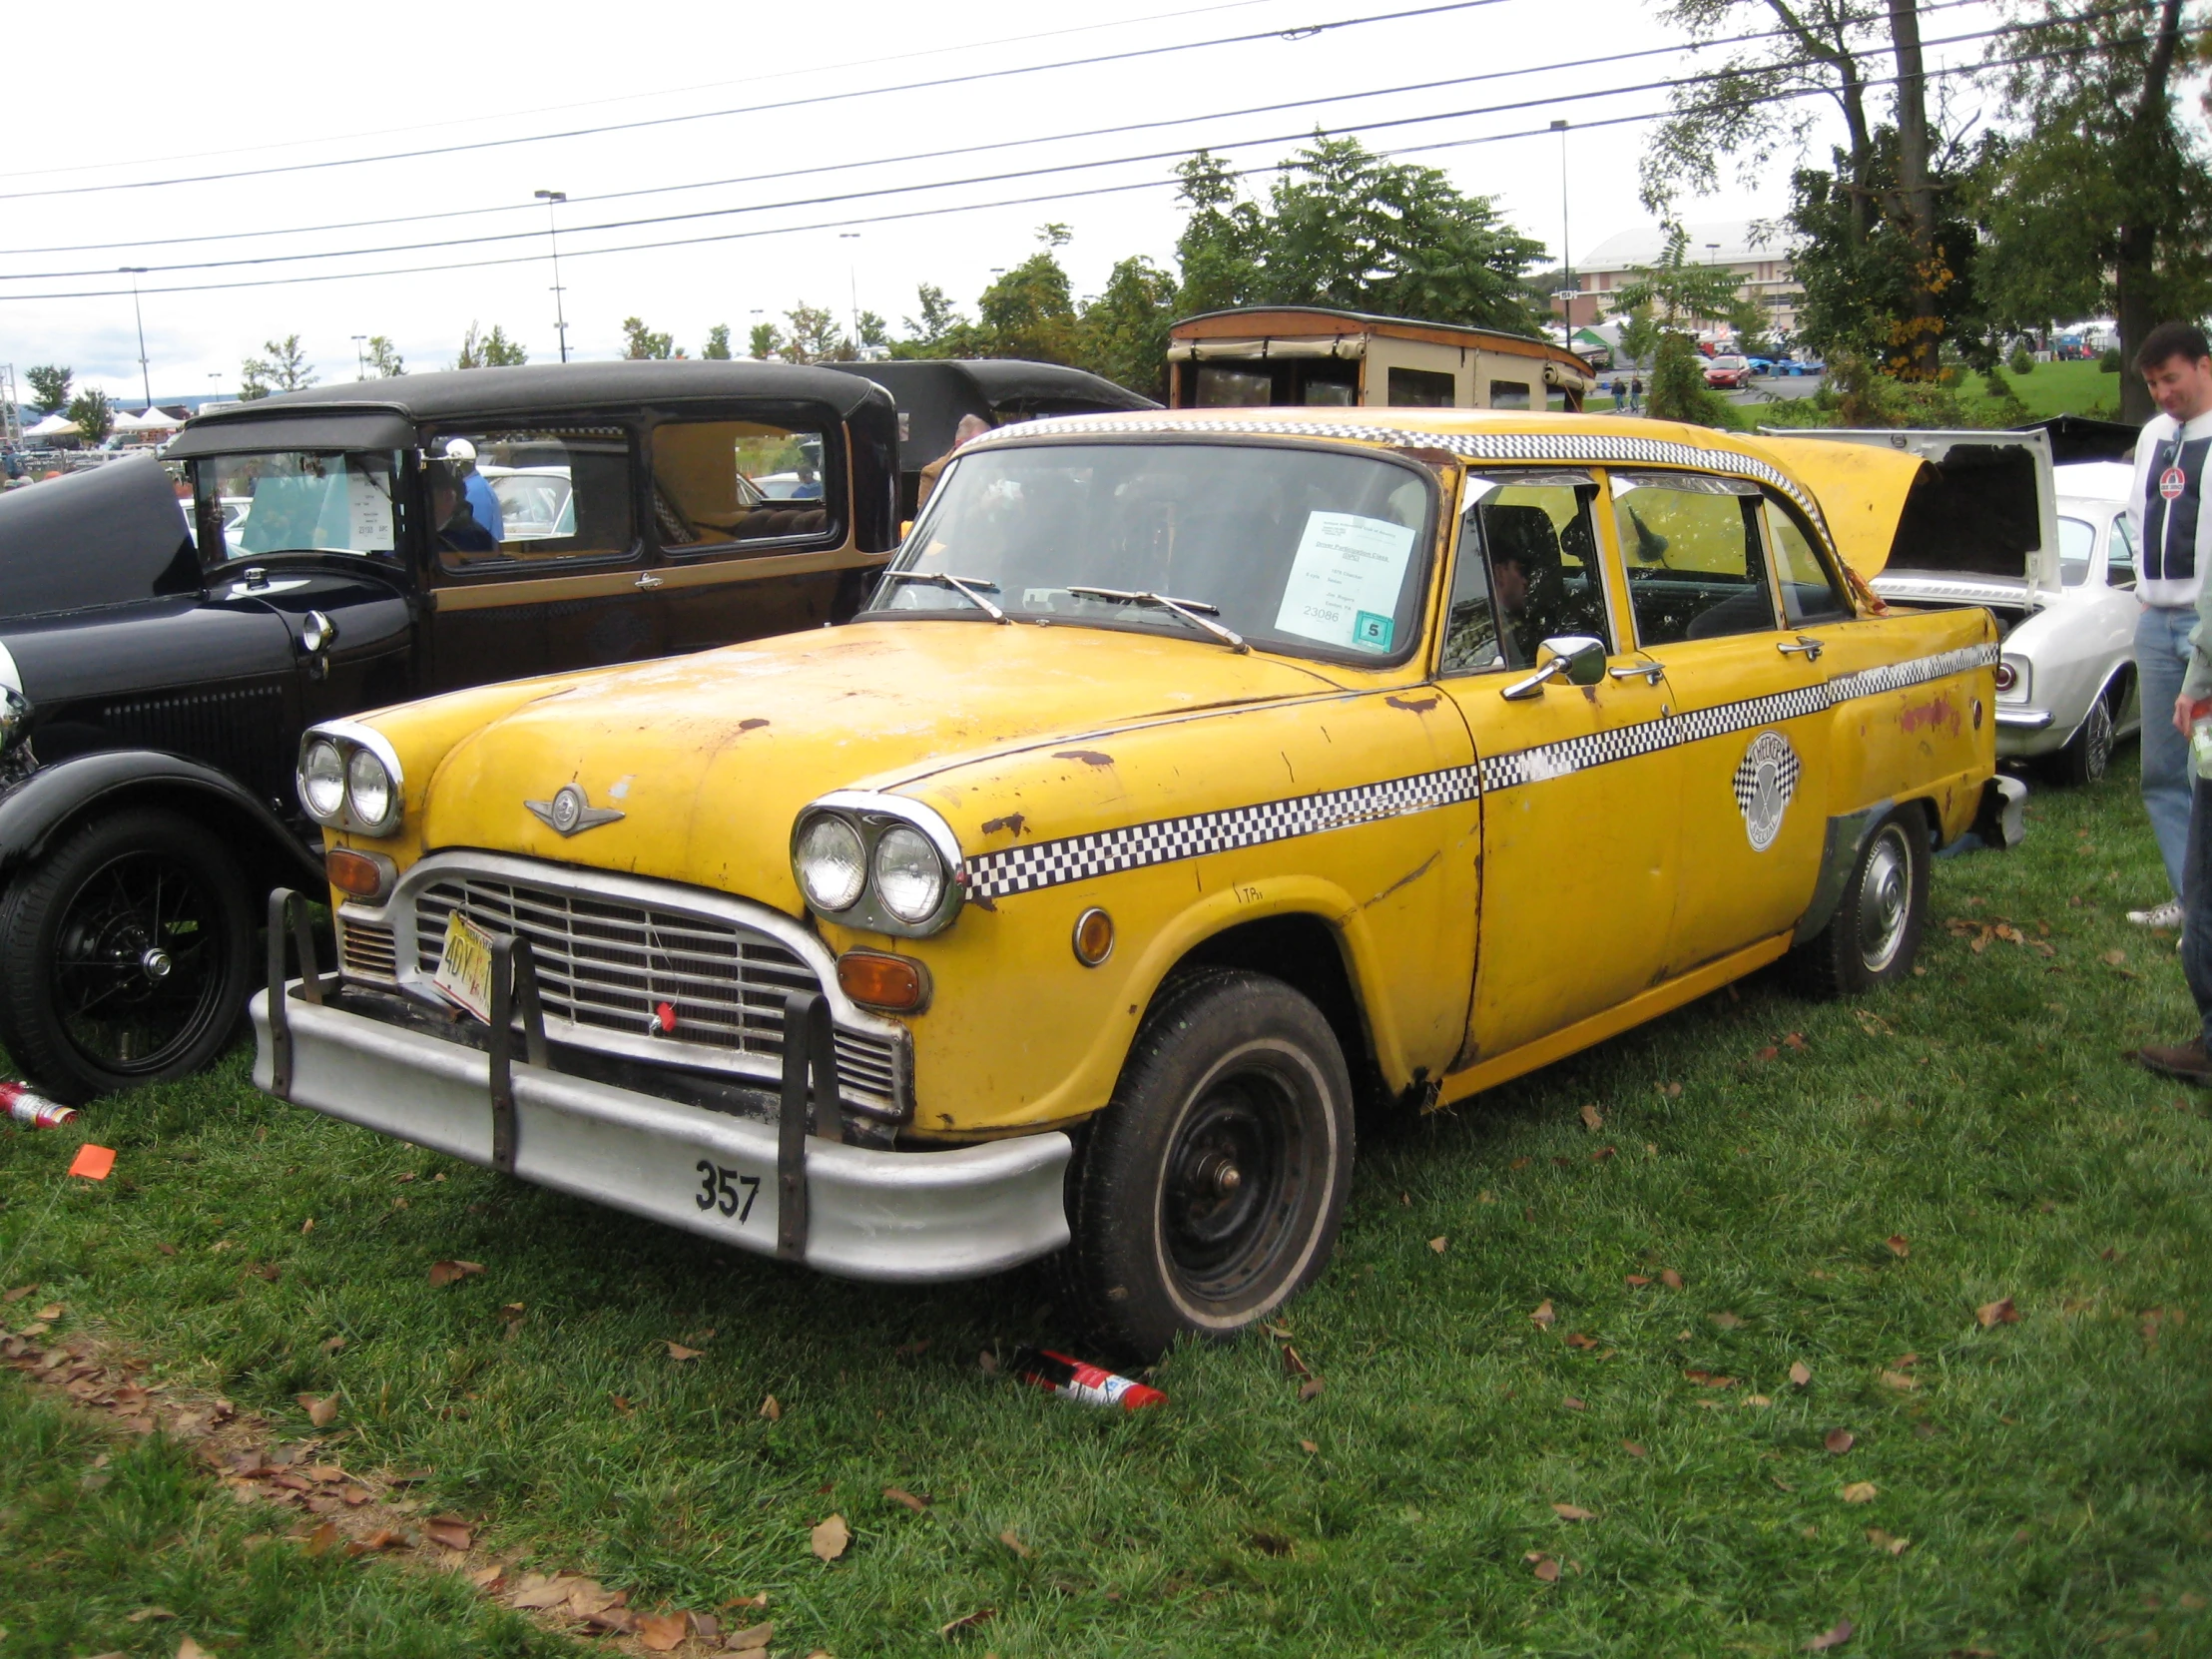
x,y
873,870
350,782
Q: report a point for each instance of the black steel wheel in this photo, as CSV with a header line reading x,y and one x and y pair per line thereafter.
x,y
1876,932
125,955
1210,1190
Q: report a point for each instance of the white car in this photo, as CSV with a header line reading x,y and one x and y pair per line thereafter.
x,y
2046,549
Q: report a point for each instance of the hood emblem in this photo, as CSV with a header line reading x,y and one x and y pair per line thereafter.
x,y
570,812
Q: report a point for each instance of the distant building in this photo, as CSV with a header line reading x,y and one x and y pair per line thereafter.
x,y
1760,262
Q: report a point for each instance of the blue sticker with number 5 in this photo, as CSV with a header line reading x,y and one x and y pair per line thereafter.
x,y
1371,632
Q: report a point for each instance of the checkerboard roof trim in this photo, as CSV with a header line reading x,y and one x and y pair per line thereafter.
x,y
1030,869
1589,449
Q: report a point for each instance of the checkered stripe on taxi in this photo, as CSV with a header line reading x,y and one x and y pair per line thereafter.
x,y
1019,870
1554,448
994,876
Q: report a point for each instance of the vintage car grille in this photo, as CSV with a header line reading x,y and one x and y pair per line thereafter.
x,y
607,961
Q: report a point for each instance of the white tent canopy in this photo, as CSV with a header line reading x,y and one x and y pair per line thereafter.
x,y
55,425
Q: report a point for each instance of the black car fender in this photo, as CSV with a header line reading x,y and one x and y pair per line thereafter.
x,y
37,811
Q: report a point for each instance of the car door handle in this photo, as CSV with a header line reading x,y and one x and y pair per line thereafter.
x,y
1811,648
1653,673
648,581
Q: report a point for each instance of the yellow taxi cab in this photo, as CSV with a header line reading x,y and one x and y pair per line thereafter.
x,y
1190,777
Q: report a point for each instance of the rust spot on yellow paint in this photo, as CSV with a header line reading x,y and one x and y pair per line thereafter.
x,y
751,725
1089,756
1012,823
1414,704
1942,710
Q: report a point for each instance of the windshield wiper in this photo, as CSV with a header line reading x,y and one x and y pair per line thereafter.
x,y
1187,609
965,586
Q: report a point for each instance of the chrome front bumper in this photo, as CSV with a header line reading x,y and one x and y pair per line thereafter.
x,y
912,1216
2023,718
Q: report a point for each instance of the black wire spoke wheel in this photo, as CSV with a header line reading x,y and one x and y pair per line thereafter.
x,y
134,982
125,955
1210,1190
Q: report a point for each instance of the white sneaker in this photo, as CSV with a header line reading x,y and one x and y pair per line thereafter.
x,y
2167,914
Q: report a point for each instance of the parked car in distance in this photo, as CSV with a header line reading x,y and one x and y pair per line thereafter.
x,y
1728,372
157,668
1187,774
1988,521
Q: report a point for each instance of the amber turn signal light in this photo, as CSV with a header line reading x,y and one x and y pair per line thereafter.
x,y
1094,936
363,875
877,979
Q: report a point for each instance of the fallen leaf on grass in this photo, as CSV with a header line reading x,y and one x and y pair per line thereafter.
x,y
1756,1400
18,1294
680,1353
447,1272
1292,1363
320,1540
1569,1511
754,1638
190,1649
485,1578
662,1631
1828,1639
1673,1091
831,1539
1576,1339
1838,1441
911,1351
1710,1380
2001,1311
538,1592
1897,1379
1861,1491
1543,1315
899,1494
321,1411
1546,1567
1800,1375
1438,1245
1884,1541
1898,1247
331,1344
1573,1404
1015,1544
1669,1278
622,1404
1308,1446
774,1412
1770,1052
2113,958
52,1311
1592,1119
1636,1281
967,1621
1310,1388
1603,1153
448,1531
1796,1040
1632,1449
1727,1321
145,1613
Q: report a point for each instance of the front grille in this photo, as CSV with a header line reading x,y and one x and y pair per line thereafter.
x,y
607,966
366,950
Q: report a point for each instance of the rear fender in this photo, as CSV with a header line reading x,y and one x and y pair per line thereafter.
x,y
57,798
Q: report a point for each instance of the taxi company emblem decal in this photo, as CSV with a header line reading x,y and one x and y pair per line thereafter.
x,y
1765,779
570,812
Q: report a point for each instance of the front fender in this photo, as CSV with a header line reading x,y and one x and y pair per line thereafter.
x,y
40,808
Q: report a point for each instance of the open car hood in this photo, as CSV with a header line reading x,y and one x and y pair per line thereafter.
x,y
106,537
1964,504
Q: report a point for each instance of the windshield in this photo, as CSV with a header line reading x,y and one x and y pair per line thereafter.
x,y
293,502
1300,550
2077,542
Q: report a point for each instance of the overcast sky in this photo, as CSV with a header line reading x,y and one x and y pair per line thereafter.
x,y
246,85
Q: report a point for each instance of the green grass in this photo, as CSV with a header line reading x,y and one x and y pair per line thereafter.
x,y
2052,1476
2053,388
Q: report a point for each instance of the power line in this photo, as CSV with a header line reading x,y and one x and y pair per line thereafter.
x,y
960,149
1298,33
1006,177
981,207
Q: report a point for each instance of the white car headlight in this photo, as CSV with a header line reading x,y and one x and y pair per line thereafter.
x,y
369,791
831,864
322,779
910,876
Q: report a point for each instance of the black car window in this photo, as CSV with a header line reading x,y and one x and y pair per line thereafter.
x,y
1526,571
736,486
1696,562
514,499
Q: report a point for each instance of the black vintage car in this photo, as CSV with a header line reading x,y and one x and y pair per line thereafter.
x,y
168,630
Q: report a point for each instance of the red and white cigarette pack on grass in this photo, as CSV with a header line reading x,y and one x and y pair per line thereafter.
x,y
1086,1384
32,1110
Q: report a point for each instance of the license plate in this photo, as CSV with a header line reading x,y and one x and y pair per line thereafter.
x,y
464,966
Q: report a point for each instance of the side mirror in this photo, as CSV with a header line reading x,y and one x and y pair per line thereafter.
x,y
1578,659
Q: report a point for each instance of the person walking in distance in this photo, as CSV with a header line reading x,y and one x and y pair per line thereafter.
x,y
2173,653
2175,538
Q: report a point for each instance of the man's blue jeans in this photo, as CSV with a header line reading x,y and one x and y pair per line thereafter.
x,y
2196,908
2161,659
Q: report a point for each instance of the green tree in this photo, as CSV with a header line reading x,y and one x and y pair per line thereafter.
x,y
1122,333
766,341
1678,290
716,348
926,335
49,385
1029,311
384,361
875,334
2107,203
1678,389
492,350
814,336
94,416
284,367
642,342
1639,333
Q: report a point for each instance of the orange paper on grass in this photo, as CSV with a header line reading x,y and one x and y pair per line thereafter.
x,y
93,1162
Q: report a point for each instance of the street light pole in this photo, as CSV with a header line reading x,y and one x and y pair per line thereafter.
x,y
553,236
361,358
145,380
852,288
1566,249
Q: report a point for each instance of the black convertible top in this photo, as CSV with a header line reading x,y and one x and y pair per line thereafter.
x,y
934,392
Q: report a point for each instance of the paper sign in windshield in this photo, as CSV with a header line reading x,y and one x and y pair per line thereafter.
x,y
1345,581
368,507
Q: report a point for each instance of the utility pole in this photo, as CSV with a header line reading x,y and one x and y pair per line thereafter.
x,y
1567,246
361,357
852,288
551,199
146,378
